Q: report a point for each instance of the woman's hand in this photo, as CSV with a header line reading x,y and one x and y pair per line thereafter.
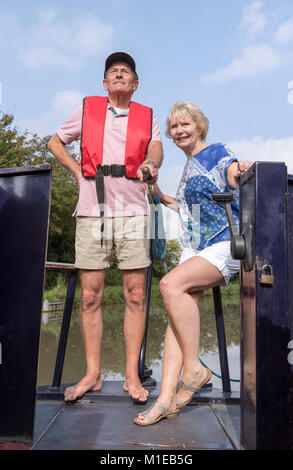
x,y
156,190
168,201
243,166
236,170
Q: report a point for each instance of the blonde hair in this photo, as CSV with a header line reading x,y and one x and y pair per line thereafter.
x,y
188,109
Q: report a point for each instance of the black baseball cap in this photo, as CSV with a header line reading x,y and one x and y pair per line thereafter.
x,y
120,57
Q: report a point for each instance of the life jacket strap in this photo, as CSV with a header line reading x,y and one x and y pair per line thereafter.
x,y
113,170
105,170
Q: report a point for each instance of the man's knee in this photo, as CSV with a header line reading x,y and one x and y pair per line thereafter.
x,y
90,299
135,296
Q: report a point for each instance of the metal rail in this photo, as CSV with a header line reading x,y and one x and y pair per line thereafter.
x,y
144,372
225,374
65,321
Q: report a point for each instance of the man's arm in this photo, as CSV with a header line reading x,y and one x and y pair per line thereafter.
x,y
57,148
153,161
155,153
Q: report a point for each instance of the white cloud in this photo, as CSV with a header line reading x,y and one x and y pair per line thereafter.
x,y
254,20
253,61
271,150
53,42
63,104
290,94
255,58
255,149
285,33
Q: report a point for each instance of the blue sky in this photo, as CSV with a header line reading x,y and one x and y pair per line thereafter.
x,y
233,58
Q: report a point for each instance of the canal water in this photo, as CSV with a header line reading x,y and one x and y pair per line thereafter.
x,y
113,347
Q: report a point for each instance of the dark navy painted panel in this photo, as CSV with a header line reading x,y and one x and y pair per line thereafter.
x,y
247,311
290,295
272,333
24,212
264,311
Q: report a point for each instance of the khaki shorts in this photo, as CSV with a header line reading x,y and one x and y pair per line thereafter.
x,y
128,236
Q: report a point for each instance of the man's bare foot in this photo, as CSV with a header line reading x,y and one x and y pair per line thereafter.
x,y
87,384
135,390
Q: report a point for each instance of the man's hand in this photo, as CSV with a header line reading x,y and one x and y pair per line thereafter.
x,y
77,175
149,177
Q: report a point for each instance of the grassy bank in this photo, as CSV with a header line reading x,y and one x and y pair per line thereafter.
x,y
114,294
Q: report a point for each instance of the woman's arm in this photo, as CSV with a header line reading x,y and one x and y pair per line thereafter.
x,y
235,170
168,201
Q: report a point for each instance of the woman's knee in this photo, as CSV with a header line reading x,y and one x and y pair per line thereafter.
x,y
167,286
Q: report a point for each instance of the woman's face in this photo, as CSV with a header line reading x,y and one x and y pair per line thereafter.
x,y
184,132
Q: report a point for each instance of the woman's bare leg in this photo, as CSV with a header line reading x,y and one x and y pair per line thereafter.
x,y
181,290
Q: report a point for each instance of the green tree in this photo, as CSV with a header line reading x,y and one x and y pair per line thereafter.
x,y
172,256
16,149
24,149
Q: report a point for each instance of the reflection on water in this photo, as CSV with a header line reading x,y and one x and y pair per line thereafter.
x,y
113,347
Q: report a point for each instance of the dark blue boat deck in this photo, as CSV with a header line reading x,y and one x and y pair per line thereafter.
x,y
104,420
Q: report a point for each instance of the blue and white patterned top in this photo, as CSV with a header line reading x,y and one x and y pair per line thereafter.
x,y
203,221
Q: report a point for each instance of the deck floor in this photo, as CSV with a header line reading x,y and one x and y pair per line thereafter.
x,y
105,421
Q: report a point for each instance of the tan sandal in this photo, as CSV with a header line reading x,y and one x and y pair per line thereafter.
x,y
180,403
146,414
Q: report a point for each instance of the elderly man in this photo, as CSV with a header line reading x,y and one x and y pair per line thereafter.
x,y
117,138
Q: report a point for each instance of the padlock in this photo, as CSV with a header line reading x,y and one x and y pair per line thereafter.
x,y
267,276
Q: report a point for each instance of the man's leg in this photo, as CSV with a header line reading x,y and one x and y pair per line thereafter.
x,y
91,325
134,326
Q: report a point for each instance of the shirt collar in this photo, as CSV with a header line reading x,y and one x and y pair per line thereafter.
x,y
121,113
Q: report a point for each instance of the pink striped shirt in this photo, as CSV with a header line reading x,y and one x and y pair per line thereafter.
x,y
123,196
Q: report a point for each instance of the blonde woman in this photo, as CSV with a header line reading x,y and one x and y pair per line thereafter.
x,y
205,260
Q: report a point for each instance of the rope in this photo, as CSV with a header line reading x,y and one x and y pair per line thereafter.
x,y
159,247
214,373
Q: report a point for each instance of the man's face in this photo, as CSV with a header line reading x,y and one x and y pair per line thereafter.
x,y
120,79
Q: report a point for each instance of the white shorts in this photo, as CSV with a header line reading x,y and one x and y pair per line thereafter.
x,y
218,254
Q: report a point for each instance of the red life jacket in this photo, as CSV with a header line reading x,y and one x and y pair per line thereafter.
x,y
139,133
